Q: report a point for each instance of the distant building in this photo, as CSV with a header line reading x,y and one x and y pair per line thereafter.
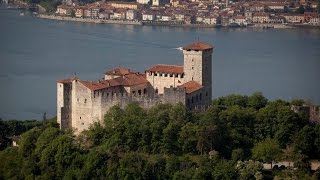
x,y
148,16
260,18
64,10
143,1
294,18
131,14
15,140
125,5
81,103
309,109
79,11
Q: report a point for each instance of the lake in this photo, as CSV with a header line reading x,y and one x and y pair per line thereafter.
x,y
35,53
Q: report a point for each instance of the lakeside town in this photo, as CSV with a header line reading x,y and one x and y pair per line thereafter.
x,y
198,13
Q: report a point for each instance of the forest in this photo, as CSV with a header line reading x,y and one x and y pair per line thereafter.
x,y
230,140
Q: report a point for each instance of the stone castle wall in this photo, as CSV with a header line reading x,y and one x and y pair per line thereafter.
x,y
64,105
91,106
164,80
79,105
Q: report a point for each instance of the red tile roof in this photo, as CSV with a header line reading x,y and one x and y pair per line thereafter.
x,y
191,86
119,71
200,46
127,80
166,68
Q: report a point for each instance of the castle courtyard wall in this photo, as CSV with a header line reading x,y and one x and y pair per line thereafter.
x,y
164,80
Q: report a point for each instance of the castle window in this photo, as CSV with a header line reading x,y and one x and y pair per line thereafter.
x,y
192,78
176,75
207,93
139,92
133,92
155,74
200,96
171,75
182,75
60,85
78,99
82,123
80,117
144,91
192,99
107,94
157,91
192,60
85,100
191,67
166,75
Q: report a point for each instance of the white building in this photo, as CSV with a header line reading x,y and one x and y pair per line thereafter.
x,y
148,17
210,20
165,18
143,1
315,20
131,15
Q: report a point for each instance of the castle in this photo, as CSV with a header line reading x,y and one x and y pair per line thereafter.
x,y
81,103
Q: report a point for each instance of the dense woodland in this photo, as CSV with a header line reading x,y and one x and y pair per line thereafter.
x,y
228,141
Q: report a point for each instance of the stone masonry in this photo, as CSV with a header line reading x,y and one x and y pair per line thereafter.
x,y
81,103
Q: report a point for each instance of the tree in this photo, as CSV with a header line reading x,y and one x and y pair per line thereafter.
x,y
231,100
304,140
224,169
318,7
308,7
170,139
257,101
188,138
300,10
285,9
249,170
266,151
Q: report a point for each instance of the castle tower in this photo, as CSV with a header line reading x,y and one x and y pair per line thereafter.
x,y
198,66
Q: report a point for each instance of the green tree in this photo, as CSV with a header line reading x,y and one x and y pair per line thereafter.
x,y
266,151
231,100
188,138
300,10
170,139
249,170
224,169
257,101
304,140
11,163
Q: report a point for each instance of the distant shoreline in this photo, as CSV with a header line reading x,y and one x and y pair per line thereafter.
x,y
160,23
87,20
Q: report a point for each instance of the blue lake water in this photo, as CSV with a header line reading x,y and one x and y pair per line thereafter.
x,y
35,53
